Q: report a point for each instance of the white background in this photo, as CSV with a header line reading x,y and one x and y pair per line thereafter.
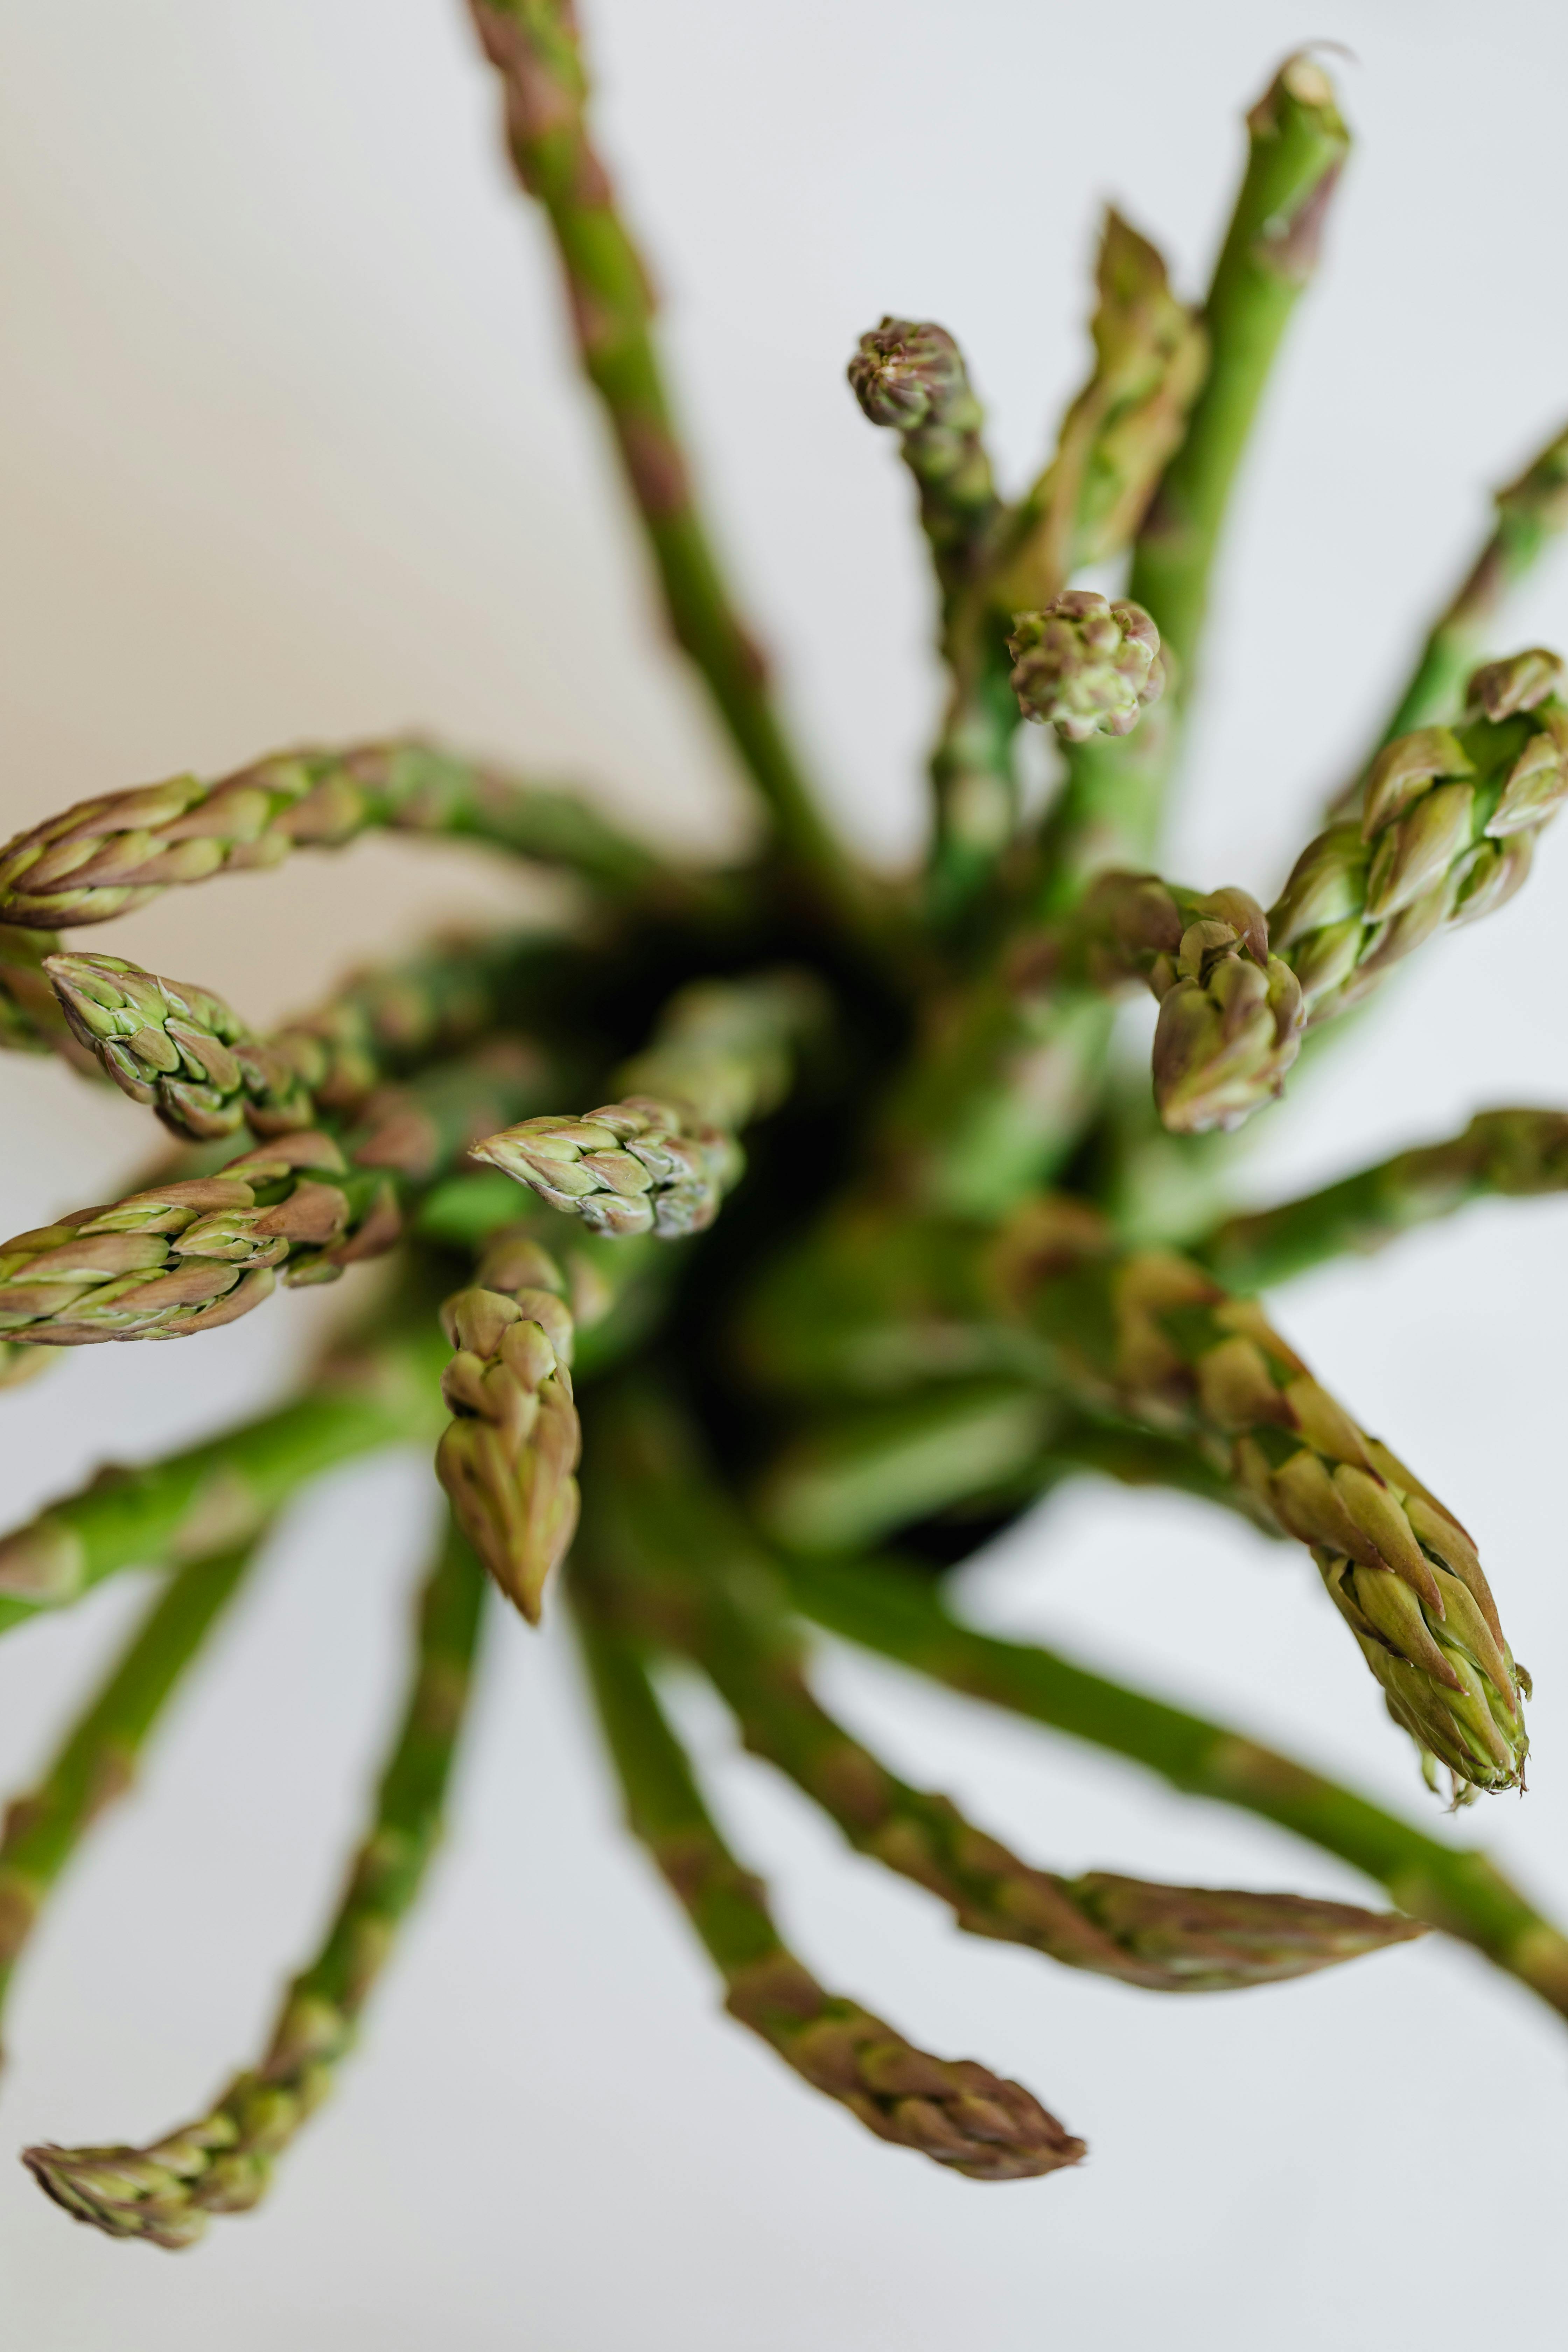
x,y
292,449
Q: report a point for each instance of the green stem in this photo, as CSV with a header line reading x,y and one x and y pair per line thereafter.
x,y
97,1762
1531,513
224,2162
533,46
1502,1154
898,1612
226,1490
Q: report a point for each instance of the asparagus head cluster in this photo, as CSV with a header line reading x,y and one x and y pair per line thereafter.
x,y
760,1240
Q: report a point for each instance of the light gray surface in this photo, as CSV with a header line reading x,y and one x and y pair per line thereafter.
x,y
290,449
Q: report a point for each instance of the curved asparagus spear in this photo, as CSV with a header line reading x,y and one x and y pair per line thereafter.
x,y
661,1159
898,1613
689,1571
187,1256
535,48
1152,1337
224,2163
1502,1154
97,1762
103,856
952,2110
506,1458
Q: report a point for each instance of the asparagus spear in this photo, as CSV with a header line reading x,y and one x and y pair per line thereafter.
x,y
898,1613
506,1458
953,2110
224,2162
911,376
106,855
187,1256
1150,358
688,1570
1108,812
661,1160
1510,1154
1445,836
188,1054
1155,1337
97,1761
535,48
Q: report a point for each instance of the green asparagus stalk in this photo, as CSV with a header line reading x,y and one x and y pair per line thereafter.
x,y
507,1456
224,2163
689,1568
189,1055
898,1613
535,48
187,1256
1155,1339
1530,514
911,376
1507,1154
106,855
662,1158
382,1391
1109,811
97,1762
955,2111
857,1474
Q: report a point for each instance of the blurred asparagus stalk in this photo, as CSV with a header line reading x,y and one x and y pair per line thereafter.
x,y
1502,1154
955,2111
96,1763
1530,514
223,2163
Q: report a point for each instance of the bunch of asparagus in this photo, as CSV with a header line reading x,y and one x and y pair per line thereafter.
x,y
751,1317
